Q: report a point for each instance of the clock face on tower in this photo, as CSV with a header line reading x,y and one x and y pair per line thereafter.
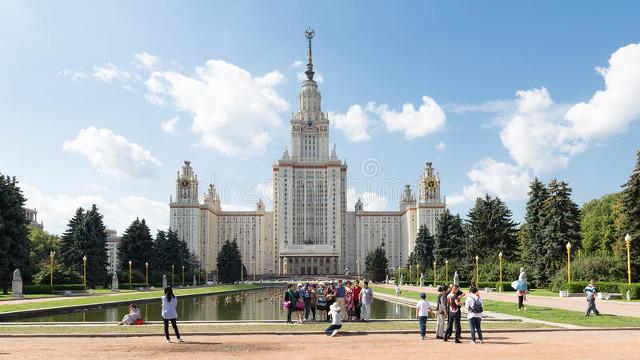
x,y
185,182
431,184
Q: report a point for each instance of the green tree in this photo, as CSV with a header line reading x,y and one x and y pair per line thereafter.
x,y
376,264
96,249
631,216
169,250
533,238
489,230
14,240
449,238
422,253
42,244
70,250
598,225
561,221
136,246
229,263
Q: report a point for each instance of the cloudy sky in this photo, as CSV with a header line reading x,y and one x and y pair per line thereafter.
x,y
102,102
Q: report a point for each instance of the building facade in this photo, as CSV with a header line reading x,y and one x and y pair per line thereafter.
x,y
309,231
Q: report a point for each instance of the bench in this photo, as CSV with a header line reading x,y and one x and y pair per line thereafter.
x,y
489,289
608,296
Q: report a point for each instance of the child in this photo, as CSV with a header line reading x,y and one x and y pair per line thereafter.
x,y
336,319
398,292
591,292
423,308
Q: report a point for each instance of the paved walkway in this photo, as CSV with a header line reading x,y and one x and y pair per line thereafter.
x,y
521,346
571,303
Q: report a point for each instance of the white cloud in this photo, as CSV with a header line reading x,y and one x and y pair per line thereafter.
x,y
441,146
73,75
233,111
297,63
370,200
354,124
545,136
109,72
611,110
56,210
169,126
488,176
113,154
490,106
265,191
428,119
146,60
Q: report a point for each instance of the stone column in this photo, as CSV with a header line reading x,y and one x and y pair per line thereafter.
x,y
16,285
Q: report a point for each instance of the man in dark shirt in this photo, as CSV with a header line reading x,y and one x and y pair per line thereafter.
x,y
356,298
340,291
453,301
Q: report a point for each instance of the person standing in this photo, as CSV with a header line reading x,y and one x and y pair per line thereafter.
x,y
331,298
314,300
169,313
356,298
474,308
299,304
591,291
340,292
290,298
521,291
441,310
349,301
336,319
453,304
366,299
306,297
321,303
398,292
423,308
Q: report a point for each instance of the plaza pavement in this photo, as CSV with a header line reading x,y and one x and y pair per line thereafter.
x,y
619,308
617,344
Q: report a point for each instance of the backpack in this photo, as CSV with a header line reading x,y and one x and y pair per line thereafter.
x,y
476,307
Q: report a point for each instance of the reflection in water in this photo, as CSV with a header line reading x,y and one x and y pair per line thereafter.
x,y
262,304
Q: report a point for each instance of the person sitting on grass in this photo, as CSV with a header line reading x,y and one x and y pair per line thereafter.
x,y
336,319
423,308
132,316
591,292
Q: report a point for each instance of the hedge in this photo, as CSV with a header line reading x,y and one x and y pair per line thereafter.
x,y
605,287
48,289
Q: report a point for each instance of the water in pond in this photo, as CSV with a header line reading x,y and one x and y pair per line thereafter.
x,y
263,304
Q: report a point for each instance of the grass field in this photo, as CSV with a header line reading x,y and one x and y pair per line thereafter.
x,y
537,312
125,296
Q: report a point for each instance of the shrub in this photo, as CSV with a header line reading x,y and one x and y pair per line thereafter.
x,y
48,289
61,275
634,289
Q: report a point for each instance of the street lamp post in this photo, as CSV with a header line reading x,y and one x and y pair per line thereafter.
x,y
435,274
410,274
500,257
446,271
241,270
129,274
569,265
172,276
627,240
417,274
84,265
182,275
358,268
477,271
52,254
146,273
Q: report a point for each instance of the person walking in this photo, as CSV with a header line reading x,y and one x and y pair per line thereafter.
x,y
474,308
423,308
356,298
441,310
290,299
521,291
366,299
591,291
453,304
340,292
336,319
169,313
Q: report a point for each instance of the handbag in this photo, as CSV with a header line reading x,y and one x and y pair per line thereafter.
x,y
286,305
299,305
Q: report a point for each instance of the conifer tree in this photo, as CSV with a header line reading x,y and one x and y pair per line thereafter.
x,y
631,217
561,225
14,241
229,262
534,227
423,251
449,238
96,247
376,264
136,246
489,229
70,250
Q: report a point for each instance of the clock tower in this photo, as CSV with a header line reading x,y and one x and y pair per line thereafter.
x,y
187,185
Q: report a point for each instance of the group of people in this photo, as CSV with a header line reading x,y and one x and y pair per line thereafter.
x,y
329,302
448,310
169,314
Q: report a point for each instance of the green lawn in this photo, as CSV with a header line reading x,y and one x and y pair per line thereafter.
x,y
538,312
405,293
27,296
193,329
125,296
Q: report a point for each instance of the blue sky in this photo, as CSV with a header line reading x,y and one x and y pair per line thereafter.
x,y
497,93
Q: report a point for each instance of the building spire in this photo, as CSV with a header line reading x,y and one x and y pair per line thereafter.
x,y
309,33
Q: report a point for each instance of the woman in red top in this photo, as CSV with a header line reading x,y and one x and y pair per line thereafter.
x,y
349,301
